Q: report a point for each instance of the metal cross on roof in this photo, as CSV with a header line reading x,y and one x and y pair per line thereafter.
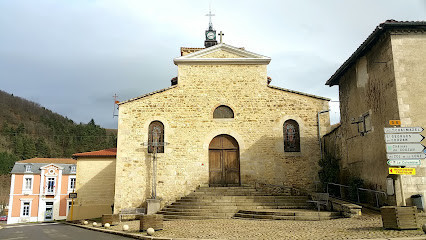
x,y
210,15
221,34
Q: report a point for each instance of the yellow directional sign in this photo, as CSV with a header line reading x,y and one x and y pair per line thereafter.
x,y
395,122
402,171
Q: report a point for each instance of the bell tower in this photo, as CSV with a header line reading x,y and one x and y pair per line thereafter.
x,y
210,33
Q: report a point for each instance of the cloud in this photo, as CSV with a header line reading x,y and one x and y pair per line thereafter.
x,y
73,56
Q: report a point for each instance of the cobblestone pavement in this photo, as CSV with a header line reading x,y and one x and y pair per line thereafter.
x,y
369,226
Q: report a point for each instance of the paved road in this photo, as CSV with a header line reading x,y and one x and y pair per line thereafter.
x,y
52,231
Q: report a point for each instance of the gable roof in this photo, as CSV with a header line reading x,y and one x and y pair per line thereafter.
x,y
38,163
300,93
49,160
110,152
51,164
188,50
146,95
244,56
371,40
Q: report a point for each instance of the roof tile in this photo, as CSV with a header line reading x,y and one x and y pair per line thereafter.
x,y
49,160
111,152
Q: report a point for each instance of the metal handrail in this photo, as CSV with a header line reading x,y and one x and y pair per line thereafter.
x,y
376,193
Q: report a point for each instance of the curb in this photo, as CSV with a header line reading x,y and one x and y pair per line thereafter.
x,y
124,234
396,238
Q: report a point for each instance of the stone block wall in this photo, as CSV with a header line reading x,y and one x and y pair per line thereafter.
x,y
368,87
187,114
409,51
388,84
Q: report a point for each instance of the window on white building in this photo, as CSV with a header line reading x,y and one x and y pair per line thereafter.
x,y
50,188
71,184
28,183
26,209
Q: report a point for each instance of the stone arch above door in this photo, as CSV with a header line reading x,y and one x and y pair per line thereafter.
x,y
224,161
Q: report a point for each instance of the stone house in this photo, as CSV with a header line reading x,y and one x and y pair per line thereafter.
x,y
95,183
222,123
382,80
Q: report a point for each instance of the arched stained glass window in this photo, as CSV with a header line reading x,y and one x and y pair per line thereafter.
x,y
156,137
223,112
291,136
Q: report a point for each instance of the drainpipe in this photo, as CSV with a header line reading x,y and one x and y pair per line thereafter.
x,y
319,130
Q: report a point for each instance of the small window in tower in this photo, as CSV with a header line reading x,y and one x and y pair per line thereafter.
x,y
223,112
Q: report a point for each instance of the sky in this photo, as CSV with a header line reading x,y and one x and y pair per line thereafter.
x,y
73,56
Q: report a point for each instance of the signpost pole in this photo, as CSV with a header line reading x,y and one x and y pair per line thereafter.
x,y
402,191
72,206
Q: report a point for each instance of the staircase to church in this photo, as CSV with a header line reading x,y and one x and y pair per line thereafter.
x,y
241,202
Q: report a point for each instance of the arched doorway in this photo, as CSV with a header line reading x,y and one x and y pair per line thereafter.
x,y
224,161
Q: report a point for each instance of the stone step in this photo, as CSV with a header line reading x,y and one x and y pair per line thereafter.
x,y
225,202
289,213
261,197
201,204
217,210
241,200
210,214
293,218
230,209
286,215
178,217
232,194
242,188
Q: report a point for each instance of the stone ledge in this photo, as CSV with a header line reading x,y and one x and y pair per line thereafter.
x,y
347,209
124,234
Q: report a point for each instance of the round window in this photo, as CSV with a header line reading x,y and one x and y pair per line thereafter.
x,y
51,171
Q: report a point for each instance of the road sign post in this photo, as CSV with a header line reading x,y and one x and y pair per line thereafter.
x,y
404,162
395,122
403,137
72,195
403,148
404,130
392,156
402,171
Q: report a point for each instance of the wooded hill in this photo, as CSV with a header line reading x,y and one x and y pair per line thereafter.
x,y
29,130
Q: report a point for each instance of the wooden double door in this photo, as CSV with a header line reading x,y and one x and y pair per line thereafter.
x,y
224,162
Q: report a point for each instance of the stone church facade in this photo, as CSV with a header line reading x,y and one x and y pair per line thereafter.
x,y
224,125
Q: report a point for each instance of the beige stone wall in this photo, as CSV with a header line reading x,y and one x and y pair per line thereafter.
x,y
388,82
95,186
367,87
187,114
409,51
